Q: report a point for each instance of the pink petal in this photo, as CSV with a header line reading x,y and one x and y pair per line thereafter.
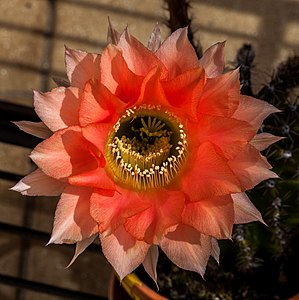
x,y
263,140
38,129
73,222
226,88
230,135
117,76
81,66
80,247
177,54
245,211
154,42
154,222
64,154
213,217
123,252
98,104
253,111
250,167
150,262
113,35
59,108
187,248
38,183
213,60
208,175
184,91
140,60
215,249
111,209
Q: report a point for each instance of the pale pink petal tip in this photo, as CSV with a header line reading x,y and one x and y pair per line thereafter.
x,y
263,140
213,60
112,34
245,211
39,184
150,263
154,42
38,129
215,253
80,247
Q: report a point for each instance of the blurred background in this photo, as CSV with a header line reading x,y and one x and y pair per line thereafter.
x,y
32,38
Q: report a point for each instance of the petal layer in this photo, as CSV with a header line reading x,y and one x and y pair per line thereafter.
x,y
38,129
213,60
154,222
73,222
209,175
123,252
38,183
81,66
59,108
213,217
177,54
250,167
187,248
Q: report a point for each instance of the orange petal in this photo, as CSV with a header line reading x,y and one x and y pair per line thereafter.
x,y
110,210
59,108
177,54
208,175
38,183
97,134
150,262
187,248
73,221
253,111
117,77
123,252
245,211
184,91
263,140
152,92
221,95
38,129
96,178
213,217
250,167
154,222
64,154
213,60
139,59
230,135
81,66
98,104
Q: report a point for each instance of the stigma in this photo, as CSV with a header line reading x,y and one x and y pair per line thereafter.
x,y
146,148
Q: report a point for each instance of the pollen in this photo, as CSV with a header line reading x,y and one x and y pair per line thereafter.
x,y
146,148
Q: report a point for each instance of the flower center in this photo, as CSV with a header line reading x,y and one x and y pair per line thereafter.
x,y
146,148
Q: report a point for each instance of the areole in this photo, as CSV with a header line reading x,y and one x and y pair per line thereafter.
x,y
146,148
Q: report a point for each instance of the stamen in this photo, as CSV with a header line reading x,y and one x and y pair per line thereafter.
x,y
146,149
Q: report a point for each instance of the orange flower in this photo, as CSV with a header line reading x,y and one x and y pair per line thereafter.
x,y
148,147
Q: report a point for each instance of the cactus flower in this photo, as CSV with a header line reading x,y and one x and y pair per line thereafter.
x,y
149,148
